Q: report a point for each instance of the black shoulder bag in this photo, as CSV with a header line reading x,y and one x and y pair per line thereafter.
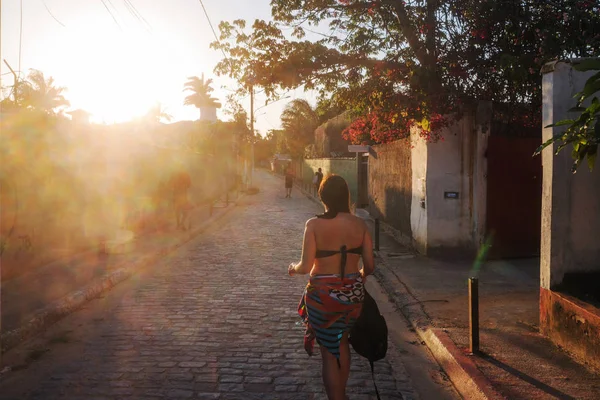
x,y
369,335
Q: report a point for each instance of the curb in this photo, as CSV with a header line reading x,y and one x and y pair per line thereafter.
x,y
71,302
468,380
461,369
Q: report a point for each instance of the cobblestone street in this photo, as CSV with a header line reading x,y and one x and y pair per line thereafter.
x,y
215,320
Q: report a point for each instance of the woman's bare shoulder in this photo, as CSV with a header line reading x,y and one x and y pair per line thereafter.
x,y
358,220
311,222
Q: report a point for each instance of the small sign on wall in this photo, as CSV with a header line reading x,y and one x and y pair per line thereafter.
x,y
451,195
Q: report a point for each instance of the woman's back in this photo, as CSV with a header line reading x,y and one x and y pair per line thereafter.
x,y
330,235
331,306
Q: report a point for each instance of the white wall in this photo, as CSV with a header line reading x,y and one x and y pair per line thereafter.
x,y
445,224
570,203
418,212
208,114
449,169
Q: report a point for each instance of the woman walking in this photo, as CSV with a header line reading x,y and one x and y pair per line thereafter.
x,y
289,183
334,243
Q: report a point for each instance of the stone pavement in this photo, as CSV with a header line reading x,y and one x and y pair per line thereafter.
x,y
24,296
517,360
215,320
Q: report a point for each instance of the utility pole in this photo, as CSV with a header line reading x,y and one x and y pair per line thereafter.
x,y
15,99
252,134
16,81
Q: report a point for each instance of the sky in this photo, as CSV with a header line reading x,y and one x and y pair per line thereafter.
x,y
118,70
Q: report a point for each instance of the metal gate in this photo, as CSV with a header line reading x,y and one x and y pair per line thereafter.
x,y
514,196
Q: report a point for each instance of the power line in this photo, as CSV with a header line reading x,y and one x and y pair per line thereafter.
x,y
52,15
113,6
134,11
211,26
111,14
20,35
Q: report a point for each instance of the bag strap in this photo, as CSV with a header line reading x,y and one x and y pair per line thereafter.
x,y
374,383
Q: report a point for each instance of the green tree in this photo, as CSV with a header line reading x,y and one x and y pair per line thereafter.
x,y
200,96
397,63
40,93
277,137
299,121
265,147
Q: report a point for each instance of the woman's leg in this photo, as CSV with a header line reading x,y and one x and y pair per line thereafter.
x,y
332,376
345,360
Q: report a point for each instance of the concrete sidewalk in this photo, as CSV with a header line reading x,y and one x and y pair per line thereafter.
x,y
32,301
516,361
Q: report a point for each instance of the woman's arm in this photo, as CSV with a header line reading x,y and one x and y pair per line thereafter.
x,y
309,250
367,254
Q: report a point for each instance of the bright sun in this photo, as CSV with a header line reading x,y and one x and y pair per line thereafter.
x,y
122,77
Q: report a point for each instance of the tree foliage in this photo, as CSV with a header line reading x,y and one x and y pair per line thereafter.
x,y
582,132
395,63
200,95
265,147
38,93
298,121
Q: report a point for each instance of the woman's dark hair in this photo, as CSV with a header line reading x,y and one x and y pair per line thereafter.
x,y
334,193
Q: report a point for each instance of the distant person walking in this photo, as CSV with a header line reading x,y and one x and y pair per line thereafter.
x,y
318,178
289,183
180,185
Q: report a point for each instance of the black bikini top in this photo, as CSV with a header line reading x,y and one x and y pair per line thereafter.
x,y
343,250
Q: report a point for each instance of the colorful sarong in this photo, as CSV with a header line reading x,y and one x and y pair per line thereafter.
x,y
329,307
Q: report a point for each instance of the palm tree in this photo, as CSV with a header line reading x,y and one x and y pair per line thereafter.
x,y
299,121
200,94
41,94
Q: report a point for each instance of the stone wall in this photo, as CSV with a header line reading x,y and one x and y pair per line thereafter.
x,y
390,185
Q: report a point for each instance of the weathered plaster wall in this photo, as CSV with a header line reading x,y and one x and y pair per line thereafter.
x,y
446,224
570,202
419,200
572,324
390,185
483,120
408,180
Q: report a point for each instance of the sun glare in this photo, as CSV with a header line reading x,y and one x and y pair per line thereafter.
x,y
123,75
